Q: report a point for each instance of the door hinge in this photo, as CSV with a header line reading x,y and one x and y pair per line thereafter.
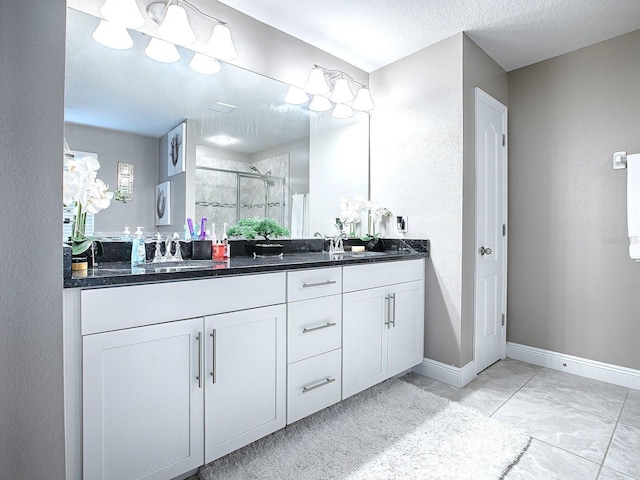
x,y
503,319
504,140
504,229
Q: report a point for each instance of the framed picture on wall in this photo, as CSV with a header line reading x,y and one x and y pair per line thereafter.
x,y
176,146
163,204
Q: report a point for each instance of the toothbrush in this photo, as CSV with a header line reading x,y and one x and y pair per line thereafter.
x,y
203,228
190,225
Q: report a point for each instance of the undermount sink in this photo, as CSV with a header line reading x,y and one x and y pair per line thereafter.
x,y
177,266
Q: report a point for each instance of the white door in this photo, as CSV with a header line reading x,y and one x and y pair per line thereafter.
x,y
245,393
405,342
142,402
491,206
364,339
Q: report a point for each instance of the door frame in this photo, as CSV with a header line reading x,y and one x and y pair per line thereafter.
x,y
483,97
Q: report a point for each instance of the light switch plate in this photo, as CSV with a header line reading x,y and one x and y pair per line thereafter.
x,y
402,223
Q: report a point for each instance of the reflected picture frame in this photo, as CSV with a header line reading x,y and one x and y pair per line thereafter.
x,y
163,204
176,147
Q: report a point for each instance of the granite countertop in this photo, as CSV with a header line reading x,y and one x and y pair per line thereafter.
x,y
122,273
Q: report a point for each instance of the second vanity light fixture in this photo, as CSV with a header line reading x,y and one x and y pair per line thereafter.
x,y
174,29
331,89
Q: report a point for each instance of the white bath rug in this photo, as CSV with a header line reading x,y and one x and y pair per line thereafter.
x,y
391,431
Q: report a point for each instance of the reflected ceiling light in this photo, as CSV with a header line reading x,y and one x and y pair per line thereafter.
x,y
317,83
363,101
320,104
112,35
123,12
220,44
204,64
175,27
162,51
342,111
341,92
296,96
222,140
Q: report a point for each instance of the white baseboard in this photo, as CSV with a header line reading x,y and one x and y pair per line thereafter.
x,y
454,376
605,372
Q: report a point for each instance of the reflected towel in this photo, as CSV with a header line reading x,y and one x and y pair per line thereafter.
x,y
298,215
633,205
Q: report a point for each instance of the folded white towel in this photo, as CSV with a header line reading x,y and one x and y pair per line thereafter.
x,y
298,215
633,205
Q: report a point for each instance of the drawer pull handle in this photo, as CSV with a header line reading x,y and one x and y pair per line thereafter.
x,y
313,329
328,282
321,384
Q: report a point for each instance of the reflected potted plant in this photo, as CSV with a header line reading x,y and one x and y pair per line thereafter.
x,y
250,228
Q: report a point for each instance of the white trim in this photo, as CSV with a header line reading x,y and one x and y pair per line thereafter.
x,y
454,376
606,372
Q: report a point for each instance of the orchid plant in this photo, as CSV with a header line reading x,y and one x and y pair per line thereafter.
x,y
88,193
351,214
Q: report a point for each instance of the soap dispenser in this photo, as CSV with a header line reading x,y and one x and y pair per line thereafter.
x,y
138,251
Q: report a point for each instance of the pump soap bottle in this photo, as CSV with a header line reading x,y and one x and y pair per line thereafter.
x,y
138,251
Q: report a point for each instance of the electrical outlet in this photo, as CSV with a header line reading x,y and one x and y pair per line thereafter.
x,y
402,224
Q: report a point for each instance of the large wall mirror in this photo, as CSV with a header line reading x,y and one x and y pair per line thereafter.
x,y
248,153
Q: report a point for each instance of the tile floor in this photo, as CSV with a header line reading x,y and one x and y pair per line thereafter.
x,y
581,429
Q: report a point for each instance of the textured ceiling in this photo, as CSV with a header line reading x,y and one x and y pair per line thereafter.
x,y
373,33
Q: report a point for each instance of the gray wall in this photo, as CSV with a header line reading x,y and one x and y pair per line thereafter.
x,y
572,287
113,147
31,129
422,137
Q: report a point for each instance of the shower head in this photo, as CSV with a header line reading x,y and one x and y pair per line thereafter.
x,y
255,169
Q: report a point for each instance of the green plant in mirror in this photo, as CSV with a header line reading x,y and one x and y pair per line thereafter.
x,y
251,228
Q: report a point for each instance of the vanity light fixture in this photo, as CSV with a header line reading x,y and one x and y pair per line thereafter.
x,y
112,35
175,26
296,96
123,12
332,87
205,65
162,51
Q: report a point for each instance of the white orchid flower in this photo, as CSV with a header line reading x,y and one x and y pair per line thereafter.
x,y
96,197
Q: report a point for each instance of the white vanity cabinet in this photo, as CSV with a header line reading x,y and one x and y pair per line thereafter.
x,y
314,340
142,402
383,322
245,391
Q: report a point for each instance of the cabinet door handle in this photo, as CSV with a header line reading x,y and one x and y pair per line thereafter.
x,y
321,384
387,320
213,355
199,377
319,284
313,329
393,317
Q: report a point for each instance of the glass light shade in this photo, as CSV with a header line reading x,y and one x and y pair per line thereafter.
x,y
320,104
363,101
341,92
317,83
296,96
162,51
342,111
175,27
204,65
122,12
220,44
112,35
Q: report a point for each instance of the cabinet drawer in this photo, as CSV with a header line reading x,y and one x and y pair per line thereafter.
x,y
313,384
313,327
373,275
313,283
104,309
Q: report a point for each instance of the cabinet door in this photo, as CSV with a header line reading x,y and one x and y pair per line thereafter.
x,y
364,339
245,392
142,403
406,335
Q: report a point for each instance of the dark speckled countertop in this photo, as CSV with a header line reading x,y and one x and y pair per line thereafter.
x,y
121,273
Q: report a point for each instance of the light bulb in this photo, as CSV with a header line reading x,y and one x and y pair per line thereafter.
x,y
316,83
363,101
342,111
341,92
204,64
220,44
320,104
296,96
175,27
112,35
122,12
162,51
